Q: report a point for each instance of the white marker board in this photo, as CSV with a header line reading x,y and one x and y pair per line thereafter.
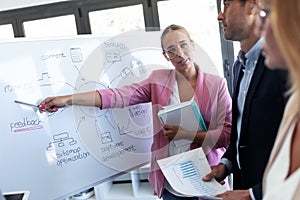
x,y
60,154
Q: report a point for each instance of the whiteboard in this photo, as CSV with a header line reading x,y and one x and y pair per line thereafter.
x,y
55,155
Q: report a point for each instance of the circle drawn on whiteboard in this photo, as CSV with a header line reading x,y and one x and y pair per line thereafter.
x,y
119,139
91,111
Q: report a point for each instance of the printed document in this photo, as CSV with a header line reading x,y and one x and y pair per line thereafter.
x,y
185,171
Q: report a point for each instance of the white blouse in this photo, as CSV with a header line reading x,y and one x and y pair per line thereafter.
x,y
276,185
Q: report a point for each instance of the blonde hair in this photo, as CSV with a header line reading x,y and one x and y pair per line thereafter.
x,y
170,28
286,26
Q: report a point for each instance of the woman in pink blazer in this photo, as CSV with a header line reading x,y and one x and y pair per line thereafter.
x,y
164,87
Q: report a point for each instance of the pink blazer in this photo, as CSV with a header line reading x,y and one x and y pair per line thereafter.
x,y
212,97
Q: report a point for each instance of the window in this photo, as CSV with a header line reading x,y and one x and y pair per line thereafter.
x,y
55,26
6,31
117,20
200,19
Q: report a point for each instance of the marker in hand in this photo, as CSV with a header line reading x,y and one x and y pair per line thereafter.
x,y
42,108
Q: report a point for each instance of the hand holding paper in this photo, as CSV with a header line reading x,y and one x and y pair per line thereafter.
x,y
184,172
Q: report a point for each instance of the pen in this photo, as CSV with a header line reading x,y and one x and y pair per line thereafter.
x,y
27,104
31,105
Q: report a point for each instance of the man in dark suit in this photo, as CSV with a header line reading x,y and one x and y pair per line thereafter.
x,y
257,105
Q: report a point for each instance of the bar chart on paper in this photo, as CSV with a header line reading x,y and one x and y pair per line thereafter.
x,y
184,172
190,173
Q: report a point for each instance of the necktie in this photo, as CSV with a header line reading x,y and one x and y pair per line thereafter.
x,y
241,98
239,68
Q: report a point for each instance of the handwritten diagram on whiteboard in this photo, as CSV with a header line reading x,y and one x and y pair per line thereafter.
x,y
57,154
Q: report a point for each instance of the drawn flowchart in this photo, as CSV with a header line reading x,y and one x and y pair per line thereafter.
x,y
113,125
78,146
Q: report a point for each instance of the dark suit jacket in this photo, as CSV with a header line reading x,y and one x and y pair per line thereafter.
x,y
263,110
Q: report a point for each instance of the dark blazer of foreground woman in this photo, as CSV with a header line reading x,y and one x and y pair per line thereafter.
x,y
263,110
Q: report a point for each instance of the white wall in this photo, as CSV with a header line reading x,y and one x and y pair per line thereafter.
x,y
13,4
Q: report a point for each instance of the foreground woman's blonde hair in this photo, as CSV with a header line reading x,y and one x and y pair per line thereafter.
x,y
285,22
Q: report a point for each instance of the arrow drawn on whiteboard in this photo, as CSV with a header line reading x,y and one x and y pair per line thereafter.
x,y
98,129
73,87
114,79
82,119
108,121
80,74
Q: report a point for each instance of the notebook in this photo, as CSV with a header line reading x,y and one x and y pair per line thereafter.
x,y
186,114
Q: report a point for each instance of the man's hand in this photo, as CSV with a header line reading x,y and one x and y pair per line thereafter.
x,y
218,172
235,195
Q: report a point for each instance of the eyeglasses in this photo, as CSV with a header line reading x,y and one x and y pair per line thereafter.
x,y
261,15
172,51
